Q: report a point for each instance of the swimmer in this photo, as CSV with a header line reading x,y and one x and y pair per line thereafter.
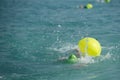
x,y
88,6
104,1
77,54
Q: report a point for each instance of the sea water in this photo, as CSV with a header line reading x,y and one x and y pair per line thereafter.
x,y
34,34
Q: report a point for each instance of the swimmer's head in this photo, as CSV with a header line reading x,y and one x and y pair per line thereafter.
x,y
72,56
72,59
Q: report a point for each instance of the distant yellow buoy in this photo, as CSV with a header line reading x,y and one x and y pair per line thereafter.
x,y
89,6
89,46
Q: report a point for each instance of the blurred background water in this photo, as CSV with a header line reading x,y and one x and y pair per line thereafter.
x,y
34,34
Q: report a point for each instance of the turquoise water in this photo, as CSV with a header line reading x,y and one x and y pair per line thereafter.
x,y
34,34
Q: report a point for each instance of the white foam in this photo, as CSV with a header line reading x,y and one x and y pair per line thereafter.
x,y
104,57
1,77
89,59
109,48
64,48
86,60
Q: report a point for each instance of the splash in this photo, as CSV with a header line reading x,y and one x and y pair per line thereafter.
x,y
63,48
68,47
91,60
86,60
104,57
